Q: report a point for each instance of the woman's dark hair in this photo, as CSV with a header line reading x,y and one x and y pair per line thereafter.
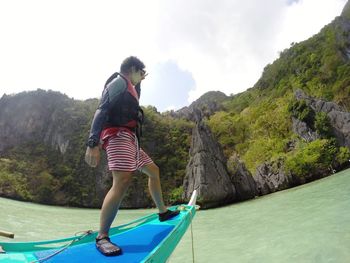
x,y
125,68
130,62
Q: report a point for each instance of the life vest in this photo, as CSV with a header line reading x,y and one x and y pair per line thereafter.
x,y
124,110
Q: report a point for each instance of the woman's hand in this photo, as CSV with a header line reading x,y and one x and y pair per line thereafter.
x,y
92,156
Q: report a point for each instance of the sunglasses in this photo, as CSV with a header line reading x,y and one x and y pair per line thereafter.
x,y
143,72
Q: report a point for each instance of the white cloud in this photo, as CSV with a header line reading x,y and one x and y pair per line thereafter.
x,y
73,46
305,18
167,85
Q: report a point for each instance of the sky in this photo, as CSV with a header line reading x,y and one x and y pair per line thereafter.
x,y
189,47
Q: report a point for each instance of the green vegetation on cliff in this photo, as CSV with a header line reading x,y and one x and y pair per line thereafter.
x,y
257,123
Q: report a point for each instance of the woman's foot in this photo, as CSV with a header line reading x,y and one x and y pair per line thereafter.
x,y
167,215
106,247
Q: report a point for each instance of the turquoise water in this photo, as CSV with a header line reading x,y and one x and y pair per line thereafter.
x,y
310,223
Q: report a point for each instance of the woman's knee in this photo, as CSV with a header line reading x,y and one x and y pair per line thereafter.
x,y
122,178
152,170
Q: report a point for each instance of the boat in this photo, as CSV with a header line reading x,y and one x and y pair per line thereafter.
x,y
145,239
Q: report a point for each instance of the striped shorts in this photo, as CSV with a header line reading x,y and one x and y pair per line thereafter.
x,y
123,153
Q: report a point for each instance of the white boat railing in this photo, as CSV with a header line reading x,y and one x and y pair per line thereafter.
x,y
193,199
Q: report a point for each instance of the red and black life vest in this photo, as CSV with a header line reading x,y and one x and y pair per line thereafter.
x,y
125,110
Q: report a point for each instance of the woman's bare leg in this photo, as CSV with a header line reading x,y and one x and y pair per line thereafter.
x,y
154,185
111,203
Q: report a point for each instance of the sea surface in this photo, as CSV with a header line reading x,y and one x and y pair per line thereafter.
x,y
309,223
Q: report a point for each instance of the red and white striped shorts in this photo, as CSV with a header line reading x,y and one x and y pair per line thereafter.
x,y
123,153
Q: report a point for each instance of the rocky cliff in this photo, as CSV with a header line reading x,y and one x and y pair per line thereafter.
x,y
41,117
206,171
272,176
241,178
218,181
339,119
346,11
208,104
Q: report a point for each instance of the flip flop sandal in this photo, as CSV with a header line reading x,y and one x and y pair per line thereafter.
x,y
106,247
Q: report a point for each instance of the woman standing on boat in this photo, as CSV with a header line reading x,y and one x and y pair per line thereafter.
x,y
116,127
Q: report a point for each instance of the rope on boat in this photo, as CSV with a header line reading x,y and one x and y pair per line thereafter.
x,y
192,242
85,234
182,207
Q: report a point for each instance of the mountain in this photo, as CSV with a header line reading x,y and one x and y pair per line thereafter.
x,y
208,103
346,11
42,145
291,127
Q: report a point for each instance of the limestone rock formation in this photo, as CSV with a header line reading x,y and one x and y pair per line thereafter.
x,y
208,104
338,117
26,118
303,130
206,171
241,179
270,177
346,10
